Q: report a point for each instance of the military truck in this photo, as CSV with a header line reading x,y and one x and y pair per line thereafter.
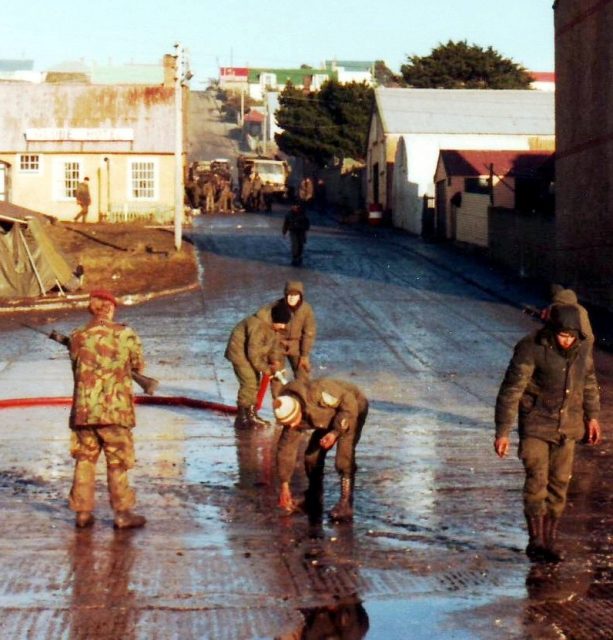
x,y
273,173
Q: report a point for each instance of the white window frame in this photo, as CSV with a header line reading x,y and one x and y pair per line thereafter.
x,y
30,156
155,177
59,178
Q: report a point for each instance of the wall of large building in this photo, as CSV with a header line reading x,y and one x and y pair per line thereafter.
x,y
584,157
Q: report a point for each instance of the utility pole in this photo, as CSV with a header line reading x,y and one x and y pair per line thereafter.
x,y
265,132
178,146
182,76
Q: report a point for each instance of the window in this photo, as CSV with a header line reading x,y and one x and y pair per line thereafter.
x,y
71,174
29,163
142,180
477,185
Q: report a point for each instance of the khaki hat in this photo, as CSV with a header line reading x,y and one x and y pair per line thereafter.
x,y
286,409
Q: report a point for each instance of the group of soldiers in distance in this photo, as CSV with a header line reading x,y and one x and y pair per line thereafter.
x,y
213,192
210,191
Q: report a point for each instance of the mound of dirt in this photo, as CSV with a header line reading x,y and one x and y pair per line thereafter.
x,y
126,259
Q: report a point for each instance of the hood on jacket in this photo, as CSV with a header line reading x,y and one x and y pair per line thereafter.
x,y
565,296
565,317
294,287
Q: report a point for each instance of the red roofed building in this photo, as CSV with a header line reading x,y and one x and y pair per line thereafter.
x,y
233,78
468,182
543,80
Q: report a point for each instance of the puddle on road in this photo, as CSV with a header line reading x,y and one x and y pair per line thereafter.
x,y
418,619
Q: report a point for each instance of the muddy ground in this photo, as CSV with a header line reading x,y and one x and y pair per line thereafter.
x,y
127,259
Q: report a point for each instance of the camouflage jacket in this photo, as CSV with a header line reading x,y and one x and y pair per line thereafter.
x,y
103,355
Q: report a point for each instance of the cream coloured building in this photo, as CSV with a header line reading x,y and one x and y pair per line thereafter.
x,y
122,137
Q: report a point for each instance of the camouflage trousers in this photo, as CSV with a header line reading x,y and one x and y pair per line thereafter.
x,y
86,444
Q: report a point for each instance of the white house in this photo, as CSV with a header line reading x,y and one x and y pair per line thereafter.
x,y
409,127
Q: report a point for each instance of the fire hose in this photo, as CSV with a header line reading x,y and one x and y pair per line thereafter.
x,y
174,401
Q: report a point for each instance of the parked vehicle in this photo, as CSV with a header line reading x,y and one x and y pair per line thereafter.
x,y
273,173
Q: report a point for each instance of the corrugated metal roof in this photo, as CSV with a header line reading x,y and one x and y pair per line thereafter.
x,y
295,76
350,65
506,162
477,111
148,111
148,74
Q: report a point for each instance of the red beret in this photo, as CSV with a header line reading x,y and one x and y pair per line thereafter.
x,y
103,294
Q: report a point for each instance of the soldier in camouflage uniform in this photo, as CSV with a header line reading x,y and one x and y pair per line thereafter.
x,y
103,355
336,412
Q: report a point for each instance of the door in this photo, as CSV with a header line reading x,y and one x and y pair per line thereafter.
x,y
4,178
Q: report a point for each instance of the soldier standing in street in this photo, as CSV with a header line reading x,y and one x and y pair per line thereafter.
x,y
83,199
226,198
103,355
336,411
246,193
306,191
551,385
297,223
299,336
256,192
209,196
254,349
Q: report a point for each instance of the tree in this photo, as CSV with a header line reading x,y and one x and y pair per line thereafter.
x,y
458,65
385,77
320,126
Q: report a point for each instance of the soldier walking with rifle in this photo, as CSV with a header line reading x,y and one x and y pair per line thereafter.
x,y
104,354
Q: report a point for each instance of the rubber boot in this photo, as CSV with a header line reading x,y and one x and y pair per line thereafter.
x,y
550,535
314,496
536,546
254,419
242,419
343,509
84,519
128,520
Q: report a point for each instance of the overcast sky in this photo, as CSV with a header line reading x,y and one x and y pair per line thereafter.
x,y
273,33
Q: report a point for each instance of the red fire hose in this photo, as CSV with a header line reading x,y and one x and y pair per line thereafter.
x,y
172,401
175,401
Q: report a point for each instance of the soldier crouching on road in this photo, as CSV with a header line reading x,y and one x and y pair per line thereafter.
x,y
103,355
254,349
551,384
337,411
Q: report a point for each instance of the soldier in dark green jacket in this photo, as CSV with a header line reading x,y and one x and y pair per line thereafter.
x,y
299,335
254,349
336,412
550,387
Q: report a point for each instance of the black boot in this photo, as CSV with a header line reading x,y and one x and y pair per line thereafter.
x,y
128,520
536,546
254,419
242,419
550,535
343,509
314,497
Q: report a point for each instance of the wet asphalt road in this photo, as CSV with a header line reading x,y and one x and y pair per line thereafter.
x,y
436,547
